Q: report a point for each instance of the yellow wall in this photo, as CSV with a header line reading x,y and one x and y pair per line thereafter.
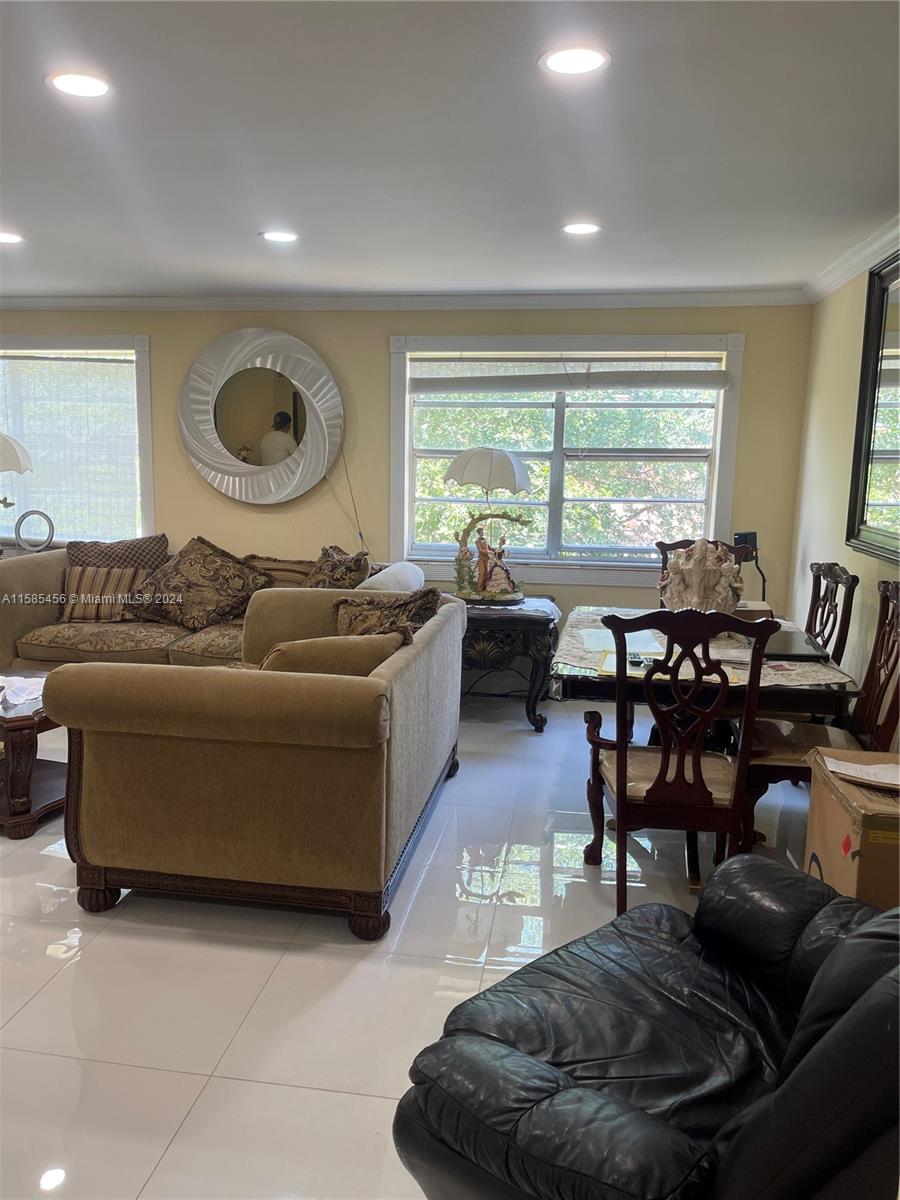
x,y
824,486
355,345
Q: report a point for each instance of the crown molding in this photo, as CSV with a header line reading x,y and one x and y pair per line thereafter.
x,y
726,298
861,257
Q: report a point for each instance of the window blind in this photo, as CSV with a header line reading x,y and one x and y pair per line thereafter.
x,y
75,412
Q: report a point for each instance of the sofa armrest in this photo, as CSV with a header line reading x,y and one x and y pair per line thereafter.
x,y
24,580
769,919
219,704
290,614
526,1123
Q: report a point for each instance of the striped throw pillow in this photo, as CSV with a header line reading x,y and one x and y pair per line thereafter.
x,y
99,593
286,572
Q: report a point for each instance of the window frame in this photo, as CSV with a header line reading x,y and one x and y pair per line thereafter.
x,y
140,345
541,568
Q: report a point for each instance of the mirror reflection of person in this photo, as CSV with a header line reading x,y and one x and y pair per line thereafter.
x,y
278,444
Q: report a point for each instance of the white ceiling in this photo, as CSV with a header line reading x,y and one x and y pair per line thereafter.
x,y
417,147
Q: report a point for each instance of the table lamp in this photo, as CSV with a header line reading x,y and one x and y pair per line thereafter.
x,y
13,457
482,576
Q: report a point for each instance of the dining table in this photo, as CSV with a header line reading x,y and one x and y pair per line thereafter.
x,y
584,668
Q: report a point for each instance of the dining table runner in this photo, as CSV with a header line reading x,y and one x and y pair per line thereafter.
x,y
586,644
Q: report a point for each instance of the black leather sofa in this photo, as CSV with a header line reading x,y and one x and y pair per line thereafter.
x,y
747,1053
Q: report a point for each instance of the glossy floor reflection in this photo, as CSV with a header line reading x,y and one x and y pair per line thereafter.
x,y
177,1049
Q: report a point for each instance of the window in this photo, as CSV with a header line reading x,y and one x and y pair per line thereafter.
x,y
883,485
625,446
81,410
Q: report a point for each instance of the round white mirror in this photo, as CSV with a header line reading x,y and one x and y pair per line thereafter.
x,y
261,416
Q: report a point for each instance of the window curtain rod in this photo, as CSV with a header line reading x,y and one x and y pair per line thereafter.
x,y
574,382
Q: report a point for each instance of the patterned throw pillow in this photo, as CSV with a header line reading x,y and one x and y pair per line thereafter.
x,y
201,585
147,552
335,568
99,593
285,572
382,614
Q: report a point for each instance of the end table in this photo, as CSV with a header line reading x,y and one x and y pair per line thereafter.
x,y
31,788
498,634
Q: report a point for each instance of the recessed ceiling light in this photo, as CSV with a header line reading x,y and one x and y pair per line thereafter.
x,y
10,239
580,228
577,61
79,85
278,235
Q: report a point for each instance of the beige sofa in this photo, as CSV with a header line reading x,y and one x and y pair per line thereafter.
x,y
286,788
33,637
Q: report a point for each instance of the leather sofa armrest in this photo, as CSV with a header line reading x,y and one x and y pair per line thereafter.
x,y
24,579
515,1116
220,704
754,912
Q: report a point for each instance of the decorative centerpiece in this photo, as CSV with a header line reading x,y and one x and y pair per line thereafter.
x,y
482,574
704,576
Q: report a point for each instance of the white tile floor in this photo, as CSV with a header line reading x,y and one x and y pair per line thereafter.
x,y
174,1050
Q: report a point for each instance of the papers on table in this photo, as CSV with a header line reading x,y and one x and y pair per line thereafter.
x,y
879,775
17,690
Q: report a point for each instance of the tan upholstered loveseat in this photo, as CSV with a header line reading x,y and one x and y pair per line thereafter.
x,y
287,788
33,637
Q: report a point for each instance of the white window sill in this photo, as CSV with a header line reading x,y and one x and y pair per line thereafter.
x,y
572,574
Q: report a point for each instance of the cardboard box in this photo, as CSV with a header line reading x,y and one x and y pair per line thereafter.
x,y
753,610
853,833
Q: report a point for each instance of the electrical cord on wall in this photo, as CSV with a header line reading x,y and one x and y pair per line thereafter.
x,y
355,521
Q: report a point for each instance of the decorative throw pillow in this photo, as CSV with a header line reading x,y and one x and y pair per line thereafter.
x,y
201,585
334,655
382,614
100,593
335,568
147,552
285,572
398,577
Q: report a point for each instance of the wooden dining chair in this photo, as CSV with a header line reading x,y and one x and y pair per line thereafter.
x,y
830,606
780,747
677,784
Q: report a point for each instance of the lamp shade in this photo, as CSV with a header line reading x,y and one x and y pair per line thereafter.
x,y
490,469
13,455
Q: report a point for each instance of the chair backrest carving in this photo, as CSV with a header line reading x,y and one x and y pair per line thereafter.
x,y
686,690
875,714
740,554
830,606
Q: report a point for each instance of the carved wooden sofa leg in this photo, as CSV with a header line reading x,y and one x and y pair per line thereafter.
x,y
454,765
369,928
98,899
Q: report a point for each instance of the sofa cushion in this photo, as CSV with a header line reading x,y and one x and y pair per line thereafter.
x,y
641,1011
217,646
384,614
398,577
334,655
147,552
335,568
200,586
100,641
99,593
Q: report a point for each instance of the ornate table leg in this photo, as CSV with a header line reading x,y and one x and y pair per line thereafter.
x,y
540,649
20,753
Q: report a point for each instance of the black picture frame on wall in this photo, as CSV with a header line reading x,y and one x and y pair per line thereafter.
x,y
869,539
